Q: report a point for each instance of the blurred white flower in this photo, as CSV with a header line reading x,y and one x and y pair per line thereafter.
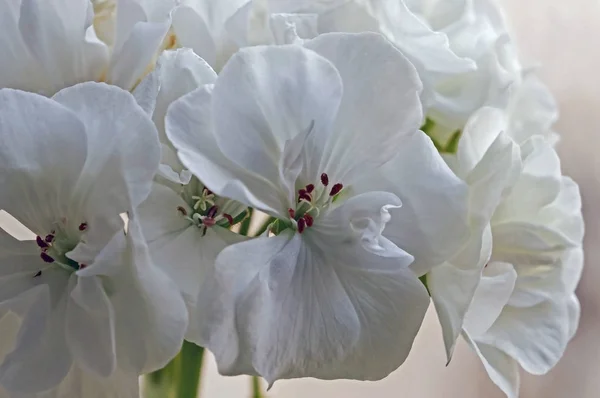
x,y
52,44
85,289
536,263
201,26
532,110
290,130
477,31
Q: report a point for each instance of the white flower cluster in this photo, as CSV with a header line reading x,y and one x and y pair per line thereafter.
x,y
399,148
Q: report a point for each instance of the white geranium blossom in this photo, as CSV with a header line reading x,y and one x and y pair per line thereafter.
x,y
285,22
297,132
477,31
86,290
487,160
525,311
186,224
49,45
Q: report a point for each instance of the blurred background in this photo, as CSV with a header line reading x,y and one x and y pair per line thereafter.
x,y
562,38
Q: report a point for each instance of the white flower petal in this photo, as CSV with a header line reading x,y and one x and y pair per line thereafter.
x,y
302,310
453,284
150,313
57,36
193,32
190,130
536,336
180,72
378,82
363,218
267,95
138,41
42,154
41,347
502,369
492,294
123,148
90,327
432,223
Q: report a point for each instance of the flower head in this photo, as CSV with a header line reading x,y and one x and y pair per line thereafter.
x,y
71,165
293,131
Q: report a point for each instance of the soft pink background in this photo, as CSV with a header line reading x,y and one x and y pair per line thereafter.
x,y
563,37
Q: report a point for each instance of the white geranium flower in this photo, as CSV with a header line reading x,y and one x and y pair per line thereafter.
x,y
52,44
290,130
487,160
476,30
186,224
87,292
285,22
525,310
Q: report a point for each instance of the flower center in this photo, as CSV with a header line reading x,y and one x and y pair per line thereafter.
x,y
312,201
55,245
207,209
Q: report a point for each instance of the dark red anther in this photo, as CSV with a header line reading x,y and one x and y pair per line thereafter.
x,y
49,238
40,242
325,179
229,218
207,191
82,266
303,195
212,212
182,210
310,188
83,226
46,258
301,225
309,220
292,213
336,189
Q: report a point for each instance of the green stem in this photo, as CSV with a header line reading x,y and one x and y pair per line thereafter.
x,y
256,388
245,227
190,366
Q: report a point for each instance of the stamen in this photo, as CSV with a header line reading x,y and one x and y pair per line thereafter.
x,y
309,220
229,218
82,266
310,188
49,238
292,213
301,225
39,273
324,179
182,210
212,212
40,242
46,258
336,189
83,226
303,195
